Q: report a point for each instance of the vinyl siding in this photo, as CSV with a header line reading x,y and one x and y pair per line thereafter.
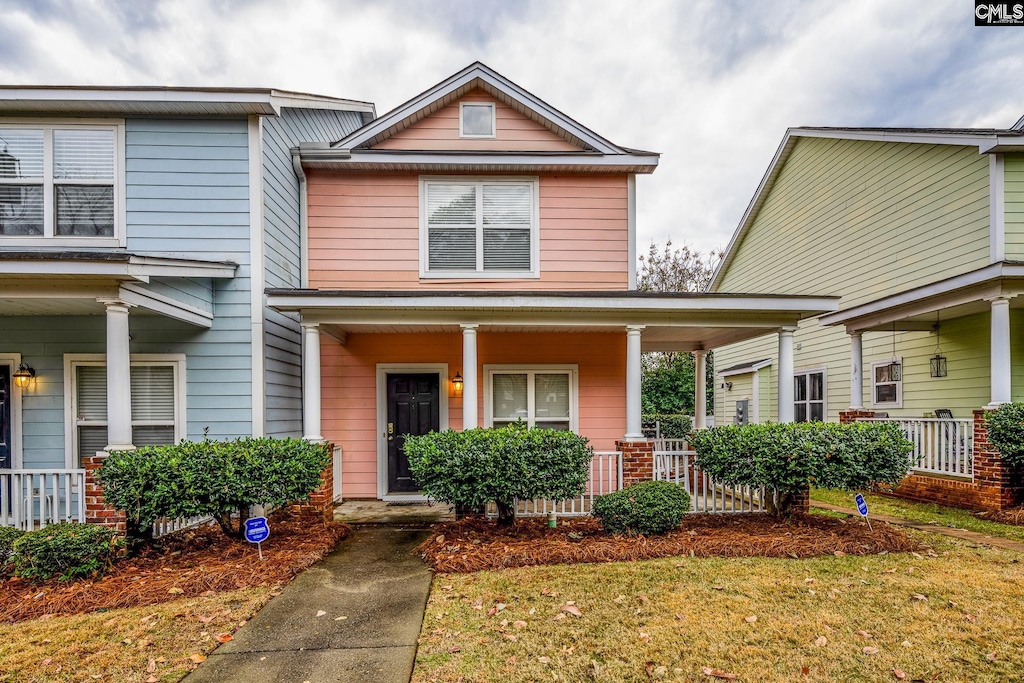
x,y
282,261
513,132
364,233
1014,208
742,388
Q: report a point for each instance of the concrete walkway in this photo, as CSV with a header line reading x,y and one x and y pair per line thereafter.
x,y
370,595
964,534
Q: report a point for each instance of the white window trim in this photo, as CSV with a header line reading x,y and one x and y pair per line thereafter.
x,y
49,239
899,385
71,361
534,272
824,390
574,388
12,361
494,121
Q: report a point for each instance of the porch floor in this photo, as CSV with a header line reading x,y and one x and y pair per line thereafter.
x,y
382,512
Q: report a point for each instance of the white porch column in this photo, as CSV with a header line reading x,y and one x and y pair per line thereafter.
x,y
119,382
469,380
856,370
1000,355
311,382
786,374
700,395
634,406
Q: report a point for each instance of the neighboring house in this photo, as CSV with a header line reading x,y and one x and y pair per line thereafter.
x,y
921,234
472,262
138,230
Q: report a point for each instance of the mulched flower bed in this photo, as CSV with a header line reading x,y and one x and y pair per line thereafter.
x,y
472,545
184,564
1008,516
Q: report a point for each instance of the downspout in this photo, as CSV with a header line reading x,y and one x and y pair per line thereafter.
x,y
303,227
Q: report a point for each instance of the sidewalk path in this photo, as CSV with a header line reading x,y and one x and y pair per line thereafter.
x,y
370,593
972,536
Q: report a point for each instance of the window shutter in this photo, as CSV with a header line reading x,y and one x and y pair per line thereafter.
x,y
91,384
153,393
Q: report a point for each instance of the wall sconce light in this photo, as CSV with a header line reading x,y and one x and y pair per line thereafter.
x,y
727,386
23,375
457,384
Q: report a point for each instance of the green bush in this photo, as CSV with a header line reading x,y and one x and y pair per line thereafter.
x,y
671,426
8,535
217,478
501,465
67,550
1006,431
651,507
787,458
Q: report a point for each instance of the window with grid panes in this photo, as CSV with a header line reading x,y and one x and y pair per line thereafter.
x,y
540,398
809,396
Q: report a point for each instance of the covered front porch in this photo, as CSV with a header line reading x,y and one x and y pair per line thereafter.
x,y
378,365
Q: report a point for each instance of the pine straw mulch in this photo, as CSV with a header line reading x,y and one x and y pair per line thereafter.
x,y
1009,516
184,564
472,545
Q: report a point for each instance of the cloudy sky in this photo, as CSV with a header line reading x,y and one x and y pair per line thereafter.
x,y
712,85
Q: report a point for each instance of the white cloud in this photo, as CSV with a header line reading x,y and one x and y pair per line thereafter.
x,y
711,85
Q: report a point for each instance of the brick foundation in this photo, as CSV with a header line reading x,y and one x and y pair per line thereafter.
x,y
849,416
96,509
637,461
320,506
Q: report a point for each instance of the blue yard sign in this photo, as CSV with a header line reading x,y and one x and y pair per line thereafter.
x,y
862,508
256,531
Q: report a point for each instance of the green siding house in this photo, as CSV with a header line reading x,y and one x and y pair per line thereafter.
x,y
920,232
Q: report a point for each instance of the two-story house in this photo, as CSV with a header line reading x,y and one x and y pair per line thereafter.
x,y
139,228
472,262
921,234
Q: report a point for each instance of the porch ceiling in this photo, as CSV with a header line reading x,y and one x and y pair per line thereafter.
x,y
671,322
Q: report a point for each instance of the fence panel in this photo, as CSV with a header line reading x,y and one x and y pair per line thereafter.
x,y
706,494
941,446
605,477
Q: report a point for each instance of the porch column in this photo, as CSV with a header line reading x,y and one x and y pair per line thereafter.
x,y
469,383
119,382
786,374
311,382
700,395
634,406
1000,355
856,371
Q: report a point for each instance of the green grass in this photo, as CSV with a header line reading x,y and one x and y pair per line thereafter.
x,y
928,513
667,619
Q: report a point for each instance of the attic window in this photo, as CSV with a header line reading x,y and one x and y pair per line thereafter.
x,y
476,120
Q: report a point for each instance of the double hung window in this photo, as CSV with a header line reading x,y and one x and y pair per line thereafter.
x,y
887,383
543,397
809,396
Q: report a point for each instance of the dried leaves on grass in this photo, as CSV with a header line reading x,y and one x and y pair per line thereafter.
x,y
1013,516
190,563
473,545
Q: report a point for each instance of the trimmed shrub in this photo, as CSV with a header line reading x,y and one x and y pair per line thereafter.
x,y
650,507
67,550
787,458
475,467
8,535
217,478
1005,427
671,426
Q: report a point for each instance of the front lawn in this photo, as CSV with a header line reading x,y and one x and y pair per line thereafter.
x,y
951,613
928,513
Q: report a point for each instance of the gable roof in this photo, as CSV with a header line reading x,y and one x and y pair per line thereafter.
x,y
478,75
987,140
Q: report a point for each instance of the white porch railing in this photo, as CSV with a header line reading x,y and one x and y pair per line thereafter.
x,y
605,477
164,526
706,494
941,446
31,499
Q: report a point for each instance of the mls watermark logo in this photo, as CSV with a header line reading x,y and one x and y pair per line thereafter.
x,y
998,13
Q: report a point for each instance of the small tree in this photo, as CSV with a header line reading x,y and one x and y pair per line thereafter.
x,y
788,458
1006,432
475,467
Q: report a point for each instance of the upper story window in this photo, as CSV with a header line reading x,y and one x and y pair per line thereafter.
x,y
472,228
60,183
476,120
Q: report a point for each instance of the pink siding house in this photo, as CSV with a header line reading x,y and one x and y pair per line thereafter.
x,y
470,260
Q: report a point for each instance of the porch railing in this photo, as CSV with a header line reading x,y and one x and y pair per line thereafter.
x,y
941,446
707,495
31,499
605,477
164,526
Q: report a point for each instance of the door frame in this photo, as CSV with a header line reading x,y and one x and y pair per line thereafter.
x,y
383,370
12,361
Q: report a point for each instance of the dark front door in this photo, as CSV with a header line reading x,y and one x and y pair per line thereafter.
x,y
414,407
5,417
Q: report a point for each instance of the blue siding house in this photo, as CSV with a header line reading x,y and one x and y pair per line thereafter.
x,y
139,228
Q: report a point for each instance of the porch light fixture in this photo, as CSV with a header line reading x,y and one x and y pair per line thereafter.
x,y
894,370
938,361
457,384
23,375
